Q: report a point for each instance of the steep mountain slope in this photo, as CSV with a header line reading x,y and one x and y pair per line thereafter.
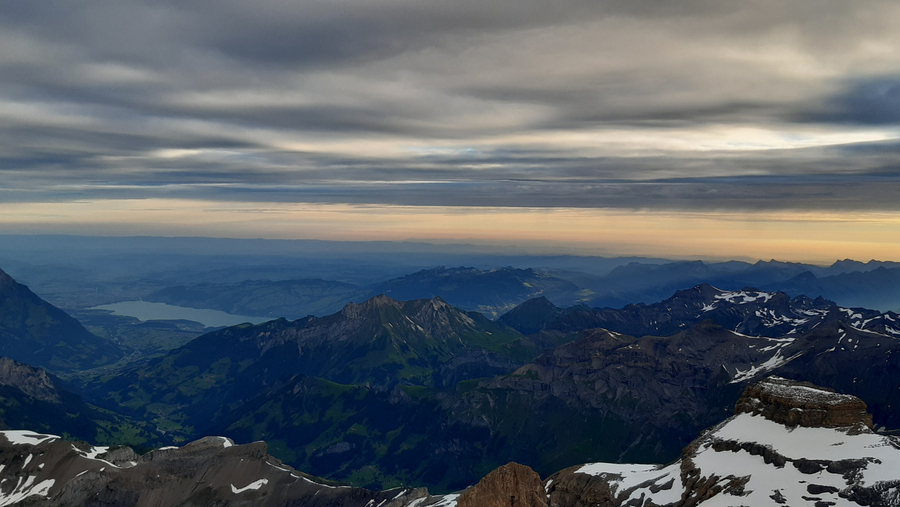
x,y
380,343
618,398
608,396
366,437
36,332
788,444
491,292
748,311
604,396
32,398
47,470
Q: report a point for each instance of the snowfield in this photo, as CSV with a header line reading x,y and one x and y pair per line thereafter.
x,y
766,484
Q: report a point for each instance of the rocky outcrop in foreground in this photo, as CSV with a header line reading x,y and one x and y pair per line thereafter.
x,y
790,443
512,485
49,471
802,404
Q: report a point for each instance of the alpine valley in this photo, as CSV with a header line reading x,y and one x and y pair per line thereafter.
x,y
460,386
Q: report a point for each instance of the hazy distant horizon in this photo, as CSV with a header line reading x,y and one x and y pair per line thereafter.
x,y
312,247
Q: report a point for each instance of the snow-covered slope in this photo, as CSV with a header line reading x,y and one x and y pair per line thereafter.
x,y
771,313
830,457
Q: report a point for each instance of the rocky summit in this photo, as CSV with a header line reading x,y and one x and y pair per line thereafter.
x,y
512,485
803,404
791,444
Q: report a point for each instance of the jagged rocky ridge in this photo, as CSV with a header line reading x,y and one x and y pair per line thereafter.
x,y
47,470
749,311
788,444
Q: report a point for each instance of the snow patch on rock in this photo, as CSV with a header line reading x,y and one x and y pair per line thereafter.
x,y
25,437
252,486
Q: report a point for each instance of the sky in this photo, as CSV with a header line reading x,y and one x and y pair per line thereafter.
x,y
691,128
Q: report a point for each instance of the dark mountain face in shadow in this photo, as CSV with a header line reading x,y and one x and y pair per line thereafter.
x,y
36,332
32,398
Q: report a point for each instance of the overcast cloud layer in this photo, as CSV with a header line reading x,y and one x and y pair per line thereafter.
x,y
671,105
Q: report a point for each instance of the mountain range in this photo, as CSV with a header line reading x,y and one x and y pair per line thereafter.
x,y
490,292
749,311
291,299
850,283
571,385
498,290
387,393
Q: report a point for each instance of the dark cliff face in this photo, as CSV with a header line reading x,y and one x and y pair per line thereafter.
x,y
31,381
512,485
750,459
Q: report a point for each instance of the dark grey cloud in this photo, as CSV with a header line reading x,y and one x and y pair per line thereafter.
x,y
871,101
623,104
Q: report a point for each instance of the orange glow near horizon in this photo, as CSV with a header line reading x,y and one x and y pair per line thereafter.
x,y
821,237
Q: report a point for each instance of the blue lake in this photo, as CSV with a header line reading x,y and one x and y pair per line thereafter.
x,y
145,310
